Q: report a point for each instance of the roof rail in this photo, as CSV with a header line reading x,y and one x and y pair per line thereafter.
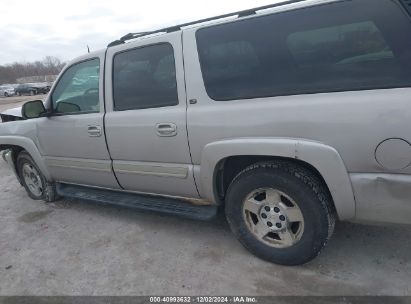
x,y
175,28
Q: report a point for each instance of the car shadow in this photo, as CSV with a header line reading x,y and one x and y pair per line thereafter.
x,y
358,243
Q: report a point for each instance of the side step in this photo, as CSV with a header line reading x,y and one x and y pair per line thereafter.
x,y
138,201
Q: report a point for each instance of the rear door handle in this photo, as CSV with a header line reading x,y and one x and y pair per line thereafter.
x,y
166,129
94,131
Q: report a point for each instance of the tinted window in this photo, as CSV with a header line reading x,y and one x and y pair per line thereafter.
x,y
145,78
345,44
78,89
350,45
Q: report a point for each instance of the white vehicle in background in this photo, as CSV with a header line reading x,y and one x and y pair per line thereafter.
x,y
6,91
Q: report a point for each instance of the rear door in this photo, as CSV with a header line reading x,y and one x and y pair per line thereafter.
x,y
146,117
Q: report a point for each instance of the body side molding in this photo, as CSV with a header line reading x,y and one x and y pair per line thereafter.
x,y
79,164
151,168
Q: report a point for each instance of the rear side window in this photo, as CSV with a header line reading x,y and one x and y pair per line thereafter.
x,y
353,43
145,78
350,45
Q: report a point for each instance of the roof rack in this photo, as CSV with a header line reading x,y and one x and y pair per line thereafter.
x,y
175,28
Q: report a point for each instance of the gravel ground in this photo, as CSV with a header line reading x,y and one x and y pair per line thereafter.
x,y
74,247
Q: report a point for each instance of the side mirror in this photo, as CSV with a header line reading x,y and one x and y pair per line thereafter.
x,y
67,107
33,109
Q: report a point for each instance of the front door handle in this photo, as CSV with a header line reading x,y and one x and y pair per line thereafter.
x,y
94,131
166,129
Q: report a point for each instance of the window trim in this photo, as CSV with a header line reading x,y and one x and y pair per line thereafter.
x,y
52,110
308,92
115,109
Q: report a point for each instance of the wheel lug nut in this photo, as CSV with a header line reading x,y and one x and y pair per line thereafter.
x,y
282,218
278,225
276,209
267,208
264,216
269,224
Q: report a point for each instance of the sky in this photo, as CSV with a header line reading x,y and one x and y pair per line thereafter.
x,y
31,30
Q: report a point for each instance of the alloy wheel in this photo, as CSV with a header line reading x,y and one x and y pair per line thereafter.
x,y
32,179
273,217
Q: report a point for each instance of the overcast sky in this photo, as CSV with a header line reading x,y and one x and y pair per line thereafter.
x,y
31,30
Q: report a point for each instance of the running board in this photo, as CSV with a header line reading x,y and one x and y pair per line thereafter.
x,y
149,203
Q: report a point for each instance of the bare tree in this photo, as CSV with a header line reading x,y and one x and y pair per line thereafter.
x,y
48,66
52,64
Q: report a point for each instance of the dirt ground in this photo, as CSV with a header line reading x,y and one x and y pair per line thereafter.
x,y
74,247
16,101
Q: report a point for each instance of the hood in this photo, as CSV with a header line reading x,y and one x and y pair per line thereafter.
x,y
11,114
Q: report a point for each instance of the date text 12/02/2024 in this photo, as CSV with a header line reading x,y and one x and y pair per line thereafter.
x,y
200,299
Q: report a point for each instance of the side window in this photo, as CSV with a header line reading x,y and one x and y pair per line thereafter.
x,y
145,78
243,59
354,43
342,46
78,89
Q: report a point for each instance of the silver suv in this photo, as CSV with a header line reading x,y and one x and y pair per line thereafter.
x,y
291,116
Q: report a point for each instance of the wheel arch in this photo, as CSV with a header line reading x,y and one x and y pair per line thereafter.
x,y
322,159
18,144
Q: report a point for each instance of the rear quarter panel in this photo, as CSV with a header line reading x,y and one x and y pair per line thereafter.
x,y
353,123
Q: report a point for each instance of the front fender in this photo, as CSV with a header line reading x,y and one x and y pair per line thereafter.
x,y
324,158
28,145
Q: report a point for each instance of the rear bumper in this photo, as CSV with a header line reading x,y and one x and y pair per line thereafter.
x,y
382,198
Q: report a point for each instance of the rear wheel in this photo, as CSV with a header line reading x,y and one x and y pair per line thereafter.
x,y
32,93
33,180
6,94
281,212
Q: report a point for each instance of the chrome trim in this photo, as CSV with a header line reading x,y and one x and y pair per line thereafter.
x,y
146,168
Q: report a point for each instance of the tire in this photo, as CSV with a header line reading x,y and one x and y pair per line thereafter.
x,y
6,94
281,212
32,93
19,94
36,185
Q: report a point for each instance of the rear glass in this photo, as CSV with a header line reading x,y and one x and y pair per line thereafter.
x,y
348,45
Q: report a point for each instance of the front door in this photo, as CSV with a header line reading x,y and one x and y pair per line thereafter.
x,y
73,139
146,117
